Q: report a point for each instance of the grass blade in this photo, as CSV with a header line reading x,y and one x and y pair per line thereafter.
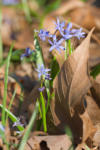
x,y
12,117
1,47
5,86
30,125
11,101
26,10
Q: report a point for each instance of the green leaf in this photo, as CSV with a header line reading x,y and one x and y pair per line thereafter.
x,y
53,6
40,60
16,55
84,0
54,70
41,2
95,71
38,54
69,133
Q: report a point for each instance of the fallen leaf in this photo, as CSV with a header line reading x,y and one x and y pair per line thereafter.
x,y
93,110
49,142
81,56
88,127
15,28
12,84
94,57
64,8
75,11
68,90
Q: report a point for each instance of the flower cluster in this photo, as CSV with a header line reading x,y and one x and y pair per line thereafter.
x,y
65,32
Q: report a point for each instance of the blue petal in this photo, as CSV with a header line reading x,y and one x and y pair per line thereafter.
x,y
60,41
2,127
46,70
61,47
58,21
41,89
63,24
27,50
52,47
54,38
50,42
69,26
22,56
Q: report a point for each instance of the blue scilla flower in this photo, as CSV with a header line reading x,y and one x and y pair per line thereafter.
x,y
48,77
78,33
41,89
42,72
18,123
10,2
43,34
56,44
27,53
59,25
67,34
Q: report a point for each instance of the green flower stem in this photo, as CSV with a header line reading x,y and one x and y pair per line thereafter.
x,y
3,118
69,46
28,130
40,111
12,117
66,50
43,112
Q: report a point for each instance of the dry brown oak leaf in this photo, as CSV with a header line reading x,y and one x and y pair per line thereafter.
x,y
71,84
16,28
48,143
